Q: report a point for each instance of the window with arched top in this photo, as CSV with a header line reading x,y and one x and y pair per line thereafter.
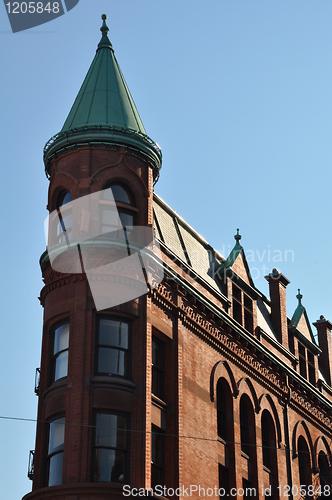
x,y
225,426
325,477
118,209
224,413
248,444
64,226
304,464
269,452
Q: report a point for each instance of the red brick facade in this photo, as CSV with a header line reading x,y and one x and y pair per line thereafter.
x,y
239,398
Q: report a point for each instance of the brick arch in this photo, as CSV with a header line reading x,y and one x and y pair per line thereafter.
x,y
266,403
222,370
321,444
301,429
245,382
62,182
123,175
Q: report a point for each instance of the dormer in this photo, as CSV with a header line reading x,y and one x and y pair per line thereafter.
x,y
302,343
239,287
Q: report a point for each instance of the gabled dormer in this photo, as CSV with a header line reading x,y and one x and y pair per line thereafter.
x,y
239,287
302,343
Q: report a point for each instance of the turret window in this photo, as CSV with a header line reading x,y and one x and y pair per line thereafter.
x,y
113,347
123,215
60,352
64,225
110,448
55,451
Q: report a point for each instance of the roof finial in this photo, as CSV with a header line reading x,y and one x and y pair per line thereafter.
x,y
237,237
104,29
299,296
104,42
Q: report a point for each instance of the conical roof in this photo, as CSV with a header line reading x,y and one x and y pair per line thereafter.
x,y
104,111
104,98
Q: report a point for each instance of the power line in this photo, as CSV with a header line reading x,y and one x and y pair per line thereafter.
x,y
165,434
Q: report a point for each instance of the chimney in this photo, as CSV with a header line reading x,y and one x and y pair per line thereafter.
x,y
277,285
324,328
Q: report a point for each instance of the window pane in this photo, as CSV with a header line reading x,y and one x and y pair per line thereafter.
x,y
109,465
57,435
113,333
111,361
55,471
127,220
111,431
61,338
110,217
67,199
119,194
61,366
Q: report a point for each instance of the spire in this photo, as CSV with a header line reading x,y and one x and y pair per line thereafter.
x,y
104,98
104,111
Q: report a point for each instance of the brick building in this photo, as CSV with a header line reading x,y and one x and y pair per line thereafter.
x,y
203,380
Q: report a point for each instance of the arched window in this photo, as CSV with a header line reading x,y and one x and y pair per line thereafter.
x,y
125,209
269,451
225,426
224,410
324,475
304,463
64,225
248,445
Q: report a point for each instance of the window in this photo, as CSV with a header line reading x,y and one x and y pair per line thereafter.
x,y
60,352
158,368
237,304
324,474
242,308
64,226
304,463
55,451
223,482
221,411
244,427
270,452
302,359
113,345
110,448
124,210
157,457
311,368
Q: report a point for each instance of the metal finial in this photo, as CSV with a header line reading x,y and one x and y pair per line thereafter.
x,y
237,237
104,42
299,296
104,29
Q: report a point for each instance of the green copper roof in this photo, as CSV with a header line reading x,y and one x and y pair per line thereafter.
x,y
104,112
104,98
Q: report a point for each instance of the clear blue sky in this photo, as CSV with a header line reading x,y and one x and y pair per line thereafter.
x,y
238,95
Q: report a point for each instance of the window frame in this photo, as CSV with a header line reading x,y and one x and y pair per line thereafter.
x,y
56,452
127,351
125,451
158,369
64,210
56,355
157,468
